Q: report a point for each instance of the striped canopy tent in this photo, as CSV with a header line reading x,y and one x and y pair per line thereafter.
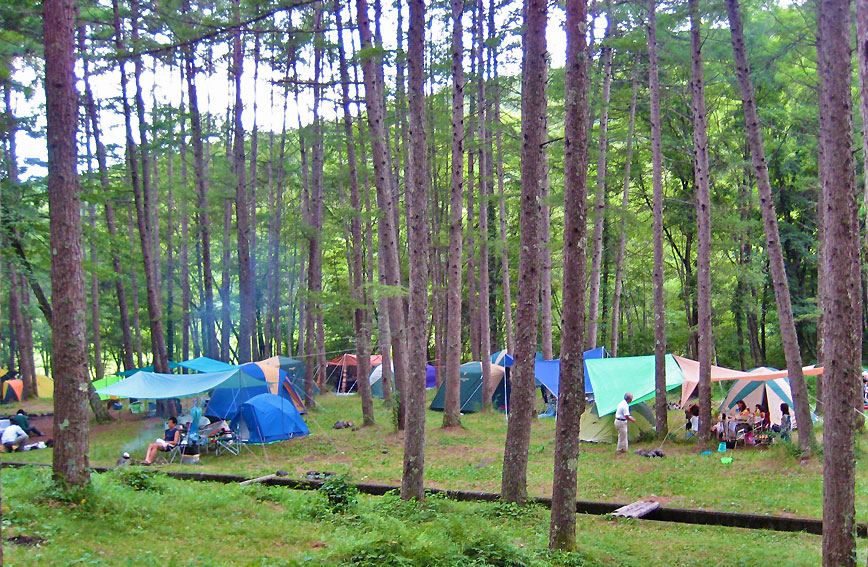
x,y
690,370
342,371
768,393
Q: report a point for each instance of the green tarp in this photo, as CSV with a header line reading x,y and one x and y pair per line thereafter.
x,y
107,381
613,377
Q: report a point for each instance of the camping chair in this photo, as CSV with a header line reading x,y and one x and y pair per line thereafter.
x,y
168,456
227,442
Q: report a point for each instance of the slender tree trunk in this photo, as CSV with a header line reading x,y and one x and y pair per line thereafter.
x,y
789,337
142,197
209,338
484,183
625,202
183,253
69,354
660,409
504,254
703,229
314,261
533,120
452,402
388,230
16,319
134,284
170,255
600,198
412,483
363,334
571,401
545,264
246,297
842,304
22,332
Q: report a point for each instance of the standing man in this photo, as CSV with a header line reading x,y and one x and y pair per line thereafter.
x,y
622,416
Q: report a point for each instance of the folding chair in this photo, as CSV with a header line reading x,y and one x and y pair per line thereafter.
x,y
168,456
227,442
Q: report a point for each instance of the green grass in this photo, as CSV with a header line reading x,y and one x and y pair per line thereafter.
x,y
177,523
760,480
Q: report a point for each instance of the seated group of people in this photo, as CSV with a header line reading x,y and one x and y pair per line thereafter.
x,y
15,436
172,436
742,420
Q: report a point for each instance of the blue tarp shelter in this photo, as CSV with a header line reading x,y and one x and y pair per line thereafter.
x,y
548,372
205,364
267,418
153,386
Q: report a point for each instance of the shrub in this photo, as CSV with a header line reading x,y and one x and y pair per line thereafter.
x,y
341,496
139,478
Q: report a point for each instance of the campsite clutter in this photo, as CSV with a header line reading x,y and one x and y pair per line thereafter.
x,y
259,402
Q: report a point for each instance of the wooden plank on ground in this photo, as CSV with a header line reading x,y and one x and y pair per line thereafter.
x,y
636,509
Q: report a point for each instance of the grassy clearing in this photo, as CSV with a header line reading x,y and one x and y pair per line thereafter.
x,y
176,523
289,526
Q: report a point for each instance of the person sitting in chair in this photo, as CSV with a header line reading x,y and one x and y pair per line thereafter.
x,y
171,438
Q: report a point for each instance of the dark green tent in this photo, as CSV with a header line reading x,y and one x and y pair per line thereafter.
x,y
471,389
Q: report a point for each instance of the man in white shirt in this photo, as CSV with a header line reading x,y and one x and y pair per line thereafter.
x,y
12,436
622,417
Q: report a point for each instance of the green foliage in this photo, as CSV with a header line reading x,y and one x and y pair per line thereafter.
x,y
139,478
341,496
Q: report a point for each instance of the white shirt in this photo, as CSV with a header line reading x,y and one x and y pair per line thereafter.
x,y
11,434
623,410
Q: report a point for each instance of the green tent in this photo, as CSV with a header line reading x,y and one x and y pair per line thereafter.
x,y
471,389
596,429
614,377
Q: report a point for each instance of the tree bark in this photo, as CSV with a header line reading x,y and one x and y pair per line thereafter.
x,y
208,315
452,402
600,198
703,225
246,297
134,283
388,233
484,182
412,483
360,319
625,202
69,354
842,303
571,401
533,120
660,409
773,240
142,196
